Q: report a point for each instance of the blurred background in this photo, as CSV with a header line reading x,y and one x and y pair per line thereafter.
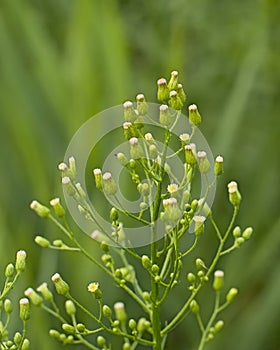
x,y
63,61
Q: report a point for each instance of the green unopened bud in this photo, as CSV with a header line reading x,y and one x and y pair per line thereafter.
x,y
107,312
247,233
203,162
80,190
146,296
175,101
130,130
153,151
239,241
173,82
194,116
236,232
68,186
24,309
163,91
25,344
219,326
44,290
122,159
200,264
129,113
126,346
194,307
190,154
199,224
42,241
9,271
218,169
69,329
149,138
181,93
146,262
155,269
101,341
142,325
95,290
218,280
17,338
54,334
165,117
41,210
70,307
109,184
136,150
234,194
191,277
60,285
104,246
142,106
72,167
8,306
33,297
98,178
20,260
120,311
132,324
231,294
114,214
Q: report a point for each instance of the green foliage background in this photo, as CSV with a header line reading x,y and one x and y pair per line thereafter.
x,y
61,61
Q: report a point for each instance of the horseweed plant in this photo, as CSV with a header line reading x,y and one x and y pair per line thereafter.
x,y
168,210
18,340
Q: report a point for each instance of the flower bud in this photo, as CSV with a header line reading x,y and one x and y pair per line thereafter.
x,y
163,91
17,338
173,82
181,93
109,184
101,341
234,194
247,233
165,117
20,260
130,130
54,334
120,312
68,328
33,297
68,186
149,138
60,285
126,346
132,324
191,277
59,210
200,264
172,211
80,190
190,154
24,310
153,151
122,159
236,232
129,112
142,106
146,296
25,344
107,312
136,150
194,307
218,280
194,116
9,271
44,290
239,241
98,178
175,100
41,210
219,326
8,306
114,214
231,294
218,169
142,325
42,241
199,224
94,289
203,162
155,269
70,307
146,262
